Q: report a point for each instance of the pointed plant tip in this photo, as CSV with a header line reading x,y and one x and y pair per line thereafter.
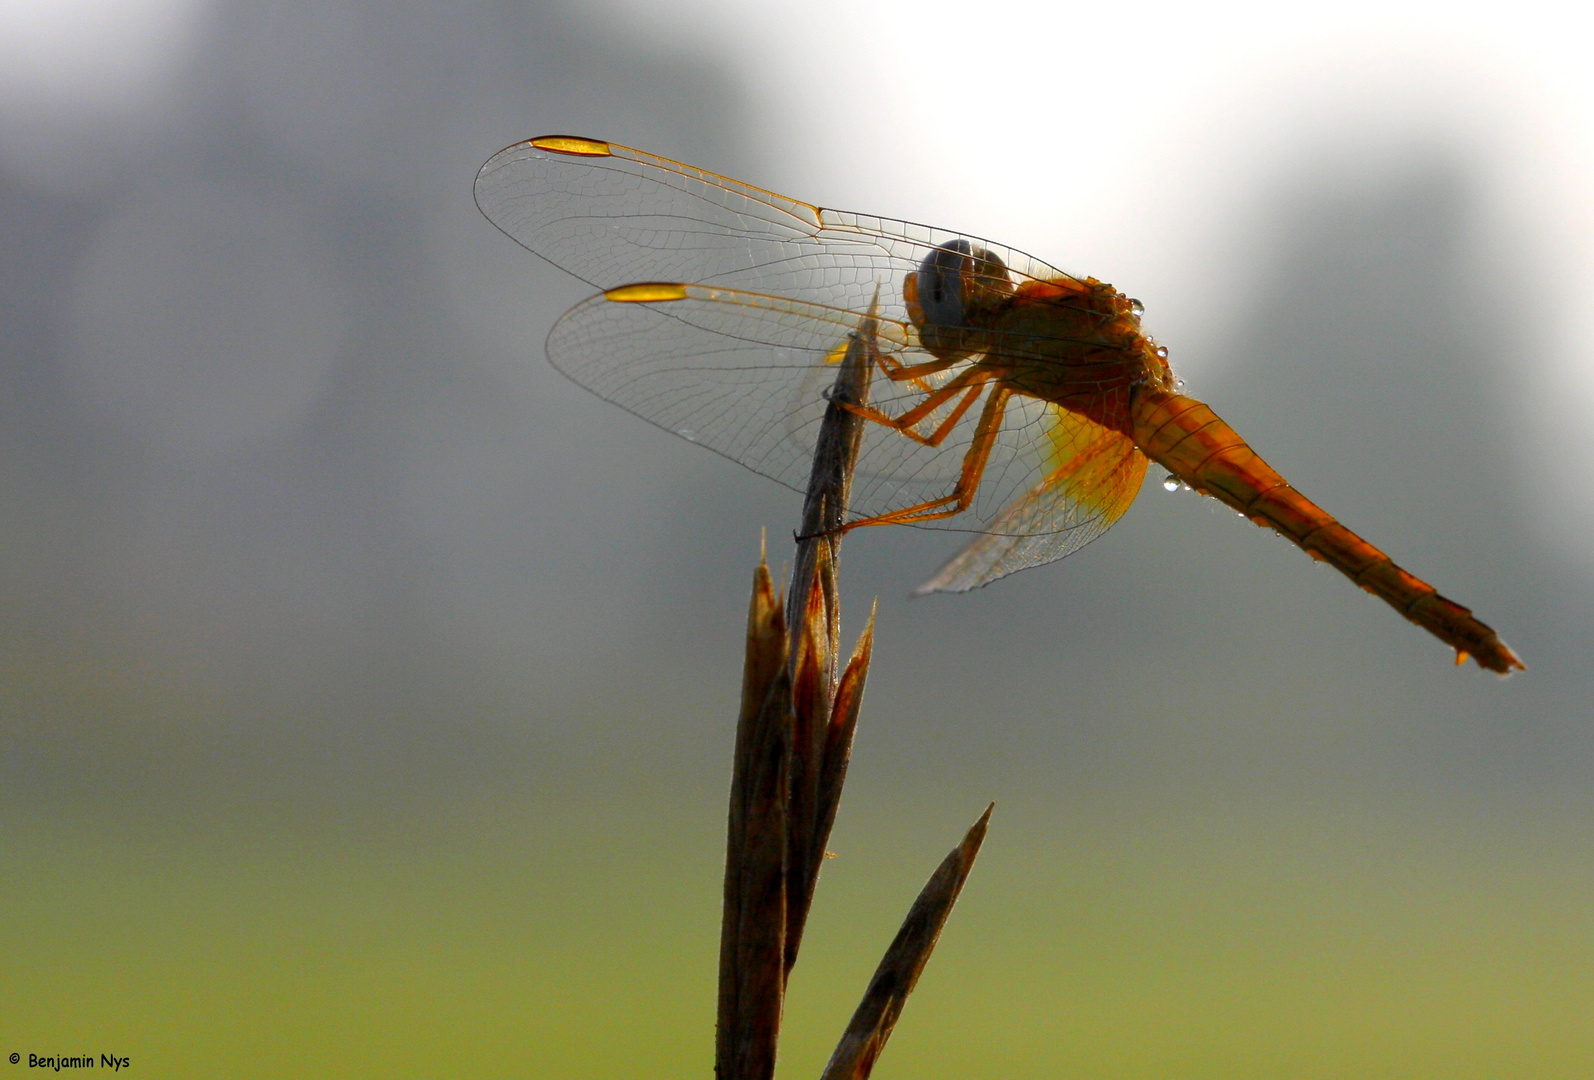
x,y
862,651
824,563
807,670
976,833
816,625
764,597
815,600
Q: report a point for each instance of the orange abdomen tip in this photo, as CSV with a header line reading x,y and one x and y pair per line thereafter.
x,y
1192,442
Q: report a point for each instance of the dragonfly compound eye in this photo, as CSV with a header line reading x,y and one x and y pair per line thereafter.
x,y
957,290
958,280
941,284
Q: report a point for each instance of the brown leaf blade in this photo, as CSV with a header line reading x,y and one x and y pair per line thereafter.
x,y
752,974
845,708
899,970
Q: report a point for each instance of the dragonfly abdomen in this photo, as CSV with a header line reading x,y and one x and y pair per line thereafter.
x,y
1192,442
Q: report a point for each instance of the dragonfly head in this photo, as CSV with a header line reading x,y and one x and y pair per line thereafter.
x,y
957,287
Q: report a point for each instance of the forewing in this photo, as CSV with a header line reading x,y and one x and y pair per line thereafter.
x,y
1094,474
739,360
612,215
745,375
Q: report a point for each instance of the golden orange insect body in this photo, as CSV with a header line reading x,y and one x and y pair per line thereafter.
x,y
1079,344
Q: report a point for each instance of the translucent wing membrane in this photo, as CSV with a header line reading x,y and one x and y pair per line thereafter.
x,y
739,359
1096,473
745,375
611,216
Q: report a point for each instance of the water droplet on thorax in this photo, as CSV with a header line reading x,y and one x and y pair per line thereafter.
x,y
1162,352
1136,308
1171,483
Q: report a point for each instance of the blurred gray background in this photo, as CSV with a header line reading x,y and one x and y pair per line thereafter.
x,y
304,539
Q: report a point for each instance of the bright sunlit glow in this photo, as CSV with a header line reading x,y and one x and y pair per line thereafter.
x,y
104,53
82,81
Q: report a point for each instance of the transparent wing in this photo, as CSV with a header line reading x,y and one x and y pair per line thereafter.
x,y
1096,475
745,375
611,215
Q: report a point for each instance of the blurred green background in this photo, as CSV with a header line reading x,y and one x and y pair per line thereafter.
x,y
366,689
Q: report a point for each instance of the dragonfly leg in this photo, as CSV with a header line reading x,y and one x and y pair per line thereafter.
x,y
900,372
972,381
897,371
938,436
974,462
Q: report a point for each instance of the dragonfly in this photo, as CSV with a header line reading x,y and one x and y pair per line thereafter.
x,y
1009,399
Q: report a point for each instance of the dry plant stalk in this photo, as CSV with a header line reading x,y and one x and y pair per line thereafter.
x,y
793,742
899,970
